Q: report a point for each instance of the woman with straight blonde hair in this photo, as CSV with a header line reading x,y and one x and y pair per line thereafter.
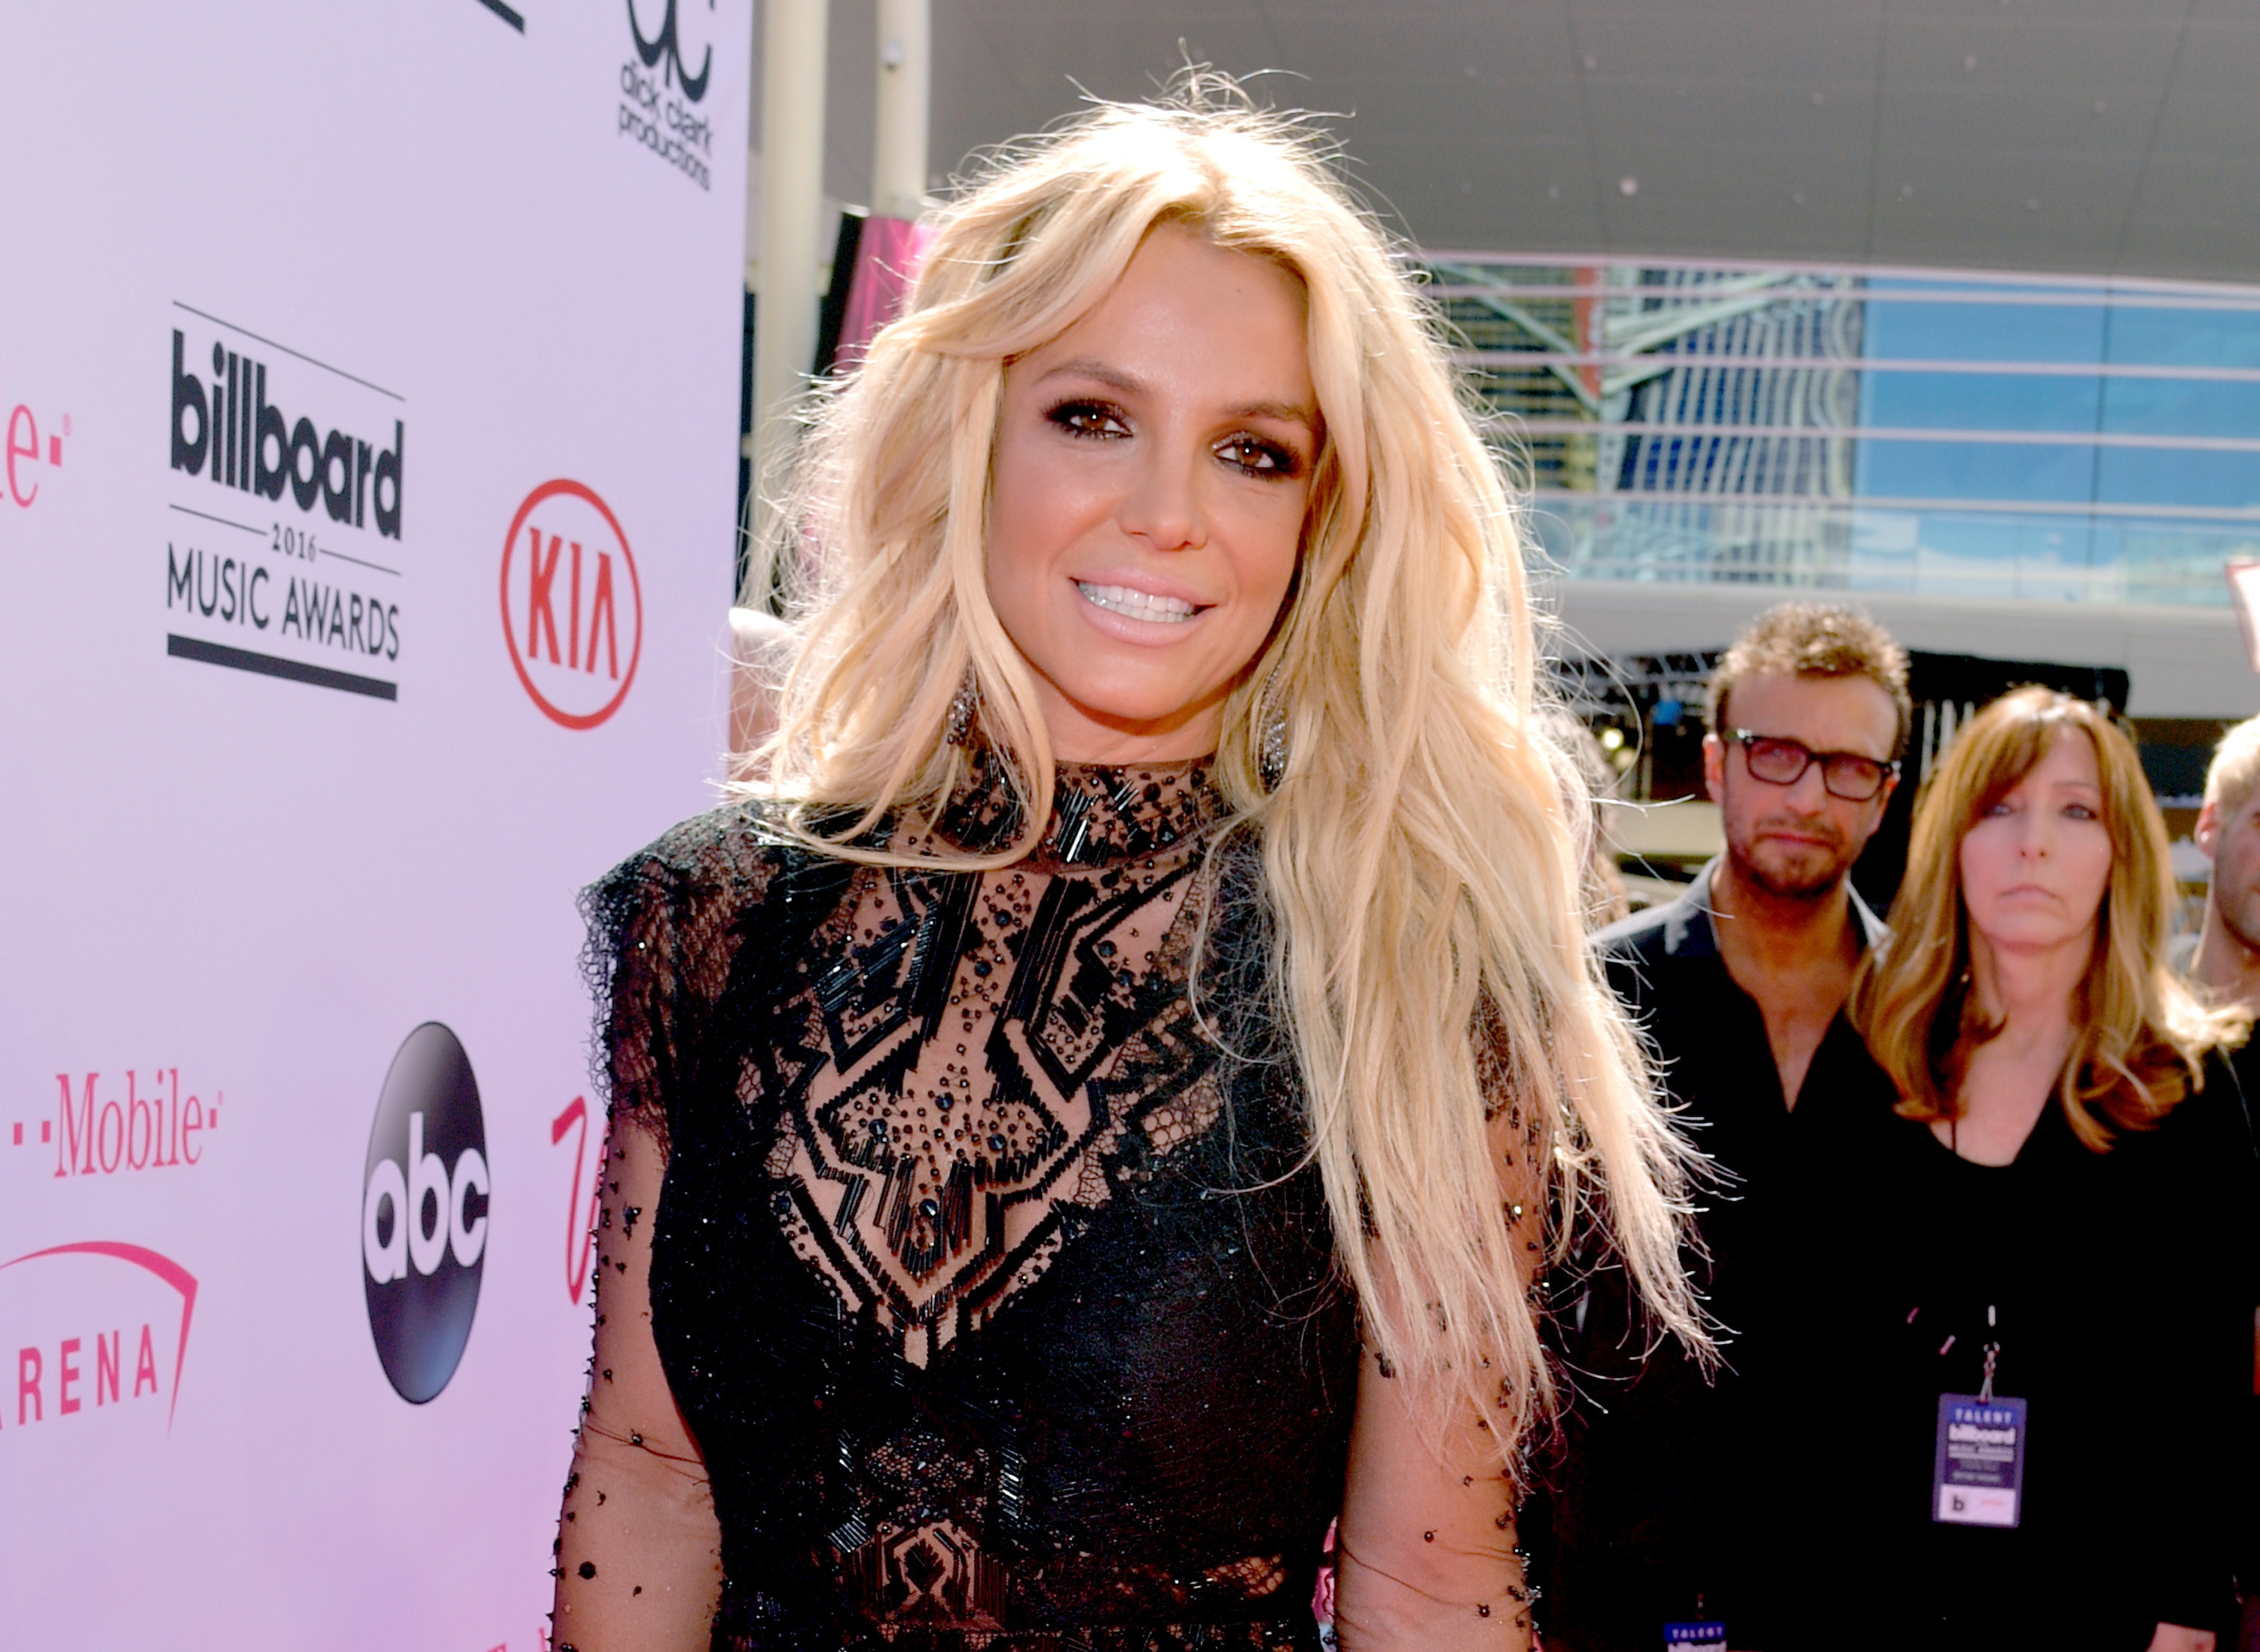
x,y
1100,1106
2030,1239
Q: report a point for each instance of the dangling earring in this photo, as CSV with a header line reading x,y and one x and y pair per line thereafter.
x,y
1271,754
960,728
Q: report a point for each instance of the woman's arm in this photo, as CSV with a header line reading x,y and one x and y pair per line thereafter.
x,y
638,1553
1425,1558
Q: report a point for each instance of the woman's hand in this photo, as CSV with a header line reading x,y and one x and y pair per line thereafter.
x,y
2173,1637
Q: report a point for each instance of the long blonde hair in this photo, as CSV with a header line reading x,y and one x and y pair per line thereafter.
x,y
1420,853
2142,1034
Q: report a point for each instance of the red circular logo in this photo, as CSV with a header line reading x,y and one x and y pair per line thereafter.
x,y
572,607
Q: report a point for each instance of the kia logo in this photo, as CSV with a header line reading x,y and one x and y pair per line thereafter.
x,y
423,1213
572,607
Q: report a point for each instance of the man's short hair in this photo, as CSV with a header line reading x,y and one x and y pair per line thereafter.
x,y
1814,639
2235,767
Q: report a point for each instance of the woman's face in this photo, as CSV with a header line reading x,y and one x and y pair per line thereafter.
x,y
1153,467
2035,865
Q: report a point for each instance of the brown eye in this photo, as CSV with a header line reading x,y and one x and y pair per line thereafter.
x,y
1089,419
1256,457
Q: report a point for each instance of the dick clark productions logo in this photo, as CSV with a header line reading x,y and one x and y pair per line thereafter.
x,y
423,1213
572,607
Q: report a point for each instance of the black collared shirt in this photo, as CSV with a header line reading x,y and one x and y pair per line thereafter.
x,y
1718,1063
1637,1529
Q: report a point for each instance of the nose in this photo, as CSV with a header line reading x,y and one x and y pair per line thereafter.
x,y
1808,793
1162,504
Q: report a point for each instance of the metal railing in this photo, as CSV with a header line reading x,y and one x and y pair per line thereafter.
x,y
1849,545
1761,424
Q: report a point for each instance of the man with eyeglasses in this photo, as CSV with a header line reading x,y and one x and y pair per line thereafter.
x,y
1740,984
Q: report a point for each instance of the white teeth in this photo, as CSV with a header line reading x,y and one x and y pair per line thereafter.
x,y
1136,605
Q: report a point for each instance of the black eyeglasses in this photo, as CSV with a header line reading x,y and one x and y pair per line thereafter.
x,y
1783,763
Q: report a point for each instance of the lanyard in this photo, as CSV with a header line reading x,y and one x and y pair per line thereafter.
x,y
1992,1349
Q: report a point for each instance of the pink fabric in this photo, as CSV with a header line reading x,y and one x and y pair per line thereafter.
x,y
886,266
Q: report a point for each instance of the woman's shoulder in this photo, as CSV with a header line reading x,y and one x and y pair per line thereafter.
x,y
737,849
695,877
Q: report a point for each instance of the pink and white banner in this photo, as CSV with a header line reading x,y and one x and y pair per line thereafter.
x,y
367,412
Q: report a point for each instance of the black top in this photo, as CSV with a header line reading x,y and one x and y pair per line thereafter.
x,y
2121,1298
1638,1527
988,1273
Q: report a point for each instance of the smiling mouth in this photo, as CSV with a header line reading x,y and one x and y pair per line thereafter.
x,y
1138,604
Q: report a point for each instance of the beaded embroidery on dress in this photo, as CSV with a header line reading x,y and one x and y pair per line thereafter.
x,y
987,1273
980,1048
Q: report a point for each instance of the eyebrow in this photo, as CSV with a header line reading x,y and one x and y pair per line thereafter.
x,y
1284,412
1130,385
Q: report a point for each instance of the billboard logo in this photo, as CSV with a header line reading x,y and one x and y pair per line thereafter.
x,y
309,594
572,607
423,1213
658,96
244,442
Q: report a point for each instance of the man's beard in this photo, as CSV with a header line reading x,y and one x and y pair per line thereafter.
x,y
1808,874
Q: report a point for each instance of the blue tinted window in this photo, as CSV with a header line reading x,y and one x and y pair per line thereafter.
x,y
2003,478
2155,475
1951,331
2182,407
1973,470
2185,338
1978,401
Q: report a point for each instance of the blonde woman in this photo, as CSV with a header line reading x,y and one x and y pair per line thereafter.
x,y
1100,1109
2046,1203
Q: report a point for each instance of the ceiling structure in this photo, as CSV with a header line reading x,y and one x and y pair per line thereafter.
x,y
2088,137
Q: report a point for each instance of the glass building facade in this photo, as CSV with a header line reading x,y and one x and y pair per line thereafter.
x,y
1949,434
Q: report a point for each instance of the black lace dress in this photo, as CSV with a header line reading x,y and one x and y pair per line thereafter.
x,y
986,1274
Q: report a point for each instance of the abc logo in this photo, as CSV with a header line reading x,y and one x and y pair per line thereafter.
x,y
423,1213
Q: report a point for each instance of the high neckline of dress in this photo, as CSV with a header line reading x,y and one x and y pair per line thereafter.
x,y
1102,814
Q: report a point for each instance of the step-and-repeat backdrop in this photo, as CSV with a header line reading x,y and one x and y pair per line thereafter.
x,y
367,380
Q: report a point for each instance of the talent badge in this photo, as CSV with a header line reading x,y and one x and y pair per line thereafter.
x,y
1979,1474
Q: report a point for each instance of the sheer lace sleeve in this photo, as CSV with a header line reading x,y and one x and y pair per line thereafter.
x,y
633,963
1429,1551
639,1548
639,1551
